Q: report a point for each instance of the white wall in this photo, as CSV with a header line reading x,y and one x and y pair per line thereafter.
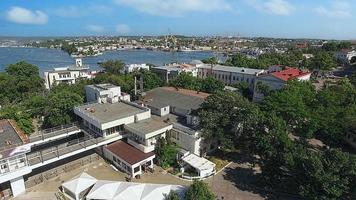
x,y
188,142
17,186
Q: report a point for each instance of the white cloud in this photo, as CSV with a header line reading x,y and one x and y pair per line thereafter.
x,y
70,11
174,7
25,16
277,7
81,11
336,9
123,29
95,28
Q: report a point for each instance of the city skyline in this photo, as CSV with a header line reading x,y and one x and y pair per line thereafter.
x,y
331,19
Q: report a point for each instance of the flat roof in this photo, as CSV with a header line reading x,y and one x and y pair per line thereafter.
x,y
127,152
180,98
9,138
240,70
198,163
147,126
108,112
8,134
102,87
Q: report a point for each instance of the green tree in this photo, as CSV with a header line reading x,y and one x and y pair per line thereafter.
x,y
244,89
22,79
327,175
166,153
272,144
227,118
60,108
294,103
172,196
186,81
199,191
211,60
113,66
322,61
211,85
150,80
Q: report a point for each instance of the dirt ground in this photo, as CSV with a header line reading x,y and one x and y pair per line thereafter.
x,y
224,188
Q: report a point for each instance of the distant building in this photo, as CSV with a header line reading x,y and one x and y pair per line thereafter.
x,y
105,93
169,72
277,77
230,75
68,75
345,55
308,56
135,67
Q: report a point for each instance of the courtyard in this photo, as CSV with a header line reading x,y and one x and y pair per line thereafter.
x,y
100,169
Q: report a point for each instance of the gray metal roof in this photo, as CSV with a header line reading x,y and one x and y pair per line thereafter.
x,y
240,70
180,99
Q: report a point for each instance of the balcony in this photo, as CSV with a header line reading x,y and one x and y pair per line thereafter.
x,y
141,147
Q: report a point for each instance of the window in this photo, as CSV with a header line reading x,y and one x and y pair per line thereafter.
x,y
136,169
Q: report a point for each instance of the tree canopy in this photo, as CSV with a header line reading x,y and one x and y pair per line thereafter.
x,y
199,191
113,66
188,81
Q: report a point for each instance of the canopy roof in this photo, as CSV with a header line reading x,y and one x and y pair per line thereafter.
x,y
133,191
198,163
79,183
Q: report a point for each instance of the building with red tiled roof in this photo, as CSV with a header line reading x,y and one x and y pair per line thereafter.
x,y
291,73
128,158
277,77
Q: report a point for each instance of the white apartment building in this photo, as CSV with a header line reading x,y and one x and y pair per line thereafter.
x,y
277,77
230,75
345,55
169,72
105,93
135,67
68,75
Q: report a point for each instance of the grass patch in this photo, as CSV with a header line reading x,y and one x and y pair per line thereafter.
x,y
219,162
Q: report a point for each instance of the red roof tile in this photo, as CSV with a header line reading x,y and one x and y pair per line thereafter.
x,y
289,73
127,152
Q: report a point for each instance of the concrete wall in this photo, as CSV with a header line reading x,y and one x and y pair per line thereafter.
x,y
186,141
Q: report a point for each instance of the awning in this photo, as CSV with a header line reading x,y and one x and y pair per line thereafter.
x,y
198,163
110,190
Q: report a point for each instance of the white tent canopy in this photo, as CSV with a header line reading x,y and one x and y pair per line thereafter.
x,y
78,185
202,165
134,191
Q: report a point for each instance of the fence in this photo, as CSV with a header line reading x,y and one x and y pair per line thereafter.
x,y
59,130
57,171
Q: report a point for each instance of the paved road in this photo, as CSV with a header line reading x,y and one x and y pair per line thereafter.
x,y
226,188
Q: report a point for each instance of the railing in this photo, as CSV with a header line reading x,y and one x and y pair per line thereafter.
x,y
60,150
49,133
90,139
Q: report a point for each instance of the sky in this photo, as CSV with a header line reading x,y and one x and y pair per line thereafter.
x,y
325,19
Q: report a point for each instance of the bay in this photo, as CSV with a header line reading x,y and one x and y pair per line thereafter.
x,y
47,59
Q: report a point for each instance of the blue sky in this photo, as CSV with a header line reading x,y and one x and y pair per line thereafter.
x,y
330,19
